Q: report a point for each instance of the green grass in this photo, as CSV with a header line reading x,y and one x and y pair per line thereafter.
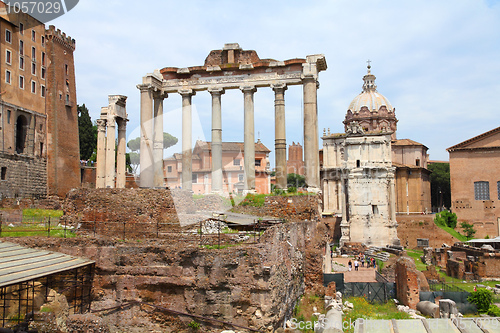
x,y
454,233
416,254
30,212
364,309
34,230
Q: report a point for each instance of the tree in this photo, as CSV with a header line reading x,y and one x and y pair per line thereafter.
x,y
295,180
482,298
440,184
135,146
446,218
87,133
468,230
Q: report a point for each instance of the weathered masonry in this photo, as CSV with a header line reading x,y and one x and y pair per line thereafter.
x,y
114,114
229,68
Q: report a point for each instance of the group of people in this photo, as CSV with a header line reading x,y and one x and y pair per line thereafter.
x,y
370,262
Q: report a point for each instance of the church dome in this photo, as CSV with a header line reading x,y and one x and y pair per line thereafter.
x,y
372,110
370,97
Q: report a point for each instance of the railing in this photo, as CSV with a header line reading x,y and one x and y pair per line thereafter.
x,y
32,226
445,287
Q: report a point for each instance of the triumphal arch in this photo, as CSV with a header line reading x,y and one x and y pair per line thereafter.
x,y
229,68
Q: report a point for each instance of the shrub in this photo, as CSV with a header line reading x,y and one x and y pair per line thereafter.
x,y
193,324
494,311
446,219
482,298
292,189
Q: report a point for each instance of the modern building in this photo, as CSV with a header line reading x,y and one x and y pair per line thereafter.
x,y
233,172
39,147
475,182
375,114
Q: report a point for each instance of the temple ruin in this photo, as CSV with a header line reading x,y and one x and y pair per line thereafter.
x,y
229,68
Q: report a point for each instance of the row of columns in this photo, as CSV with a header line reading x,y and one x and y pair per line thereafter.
x,y
152,128
106,149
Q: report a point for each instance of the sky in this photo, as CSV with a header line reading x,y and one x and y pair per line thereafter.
x,y
437,61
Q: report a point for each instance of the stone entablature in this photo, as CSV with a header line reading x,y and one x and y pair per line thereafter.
x,y
232,68
359,185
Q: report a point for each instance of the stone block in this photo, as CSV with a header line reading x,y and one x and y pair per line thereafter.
x,y
448,308
429,309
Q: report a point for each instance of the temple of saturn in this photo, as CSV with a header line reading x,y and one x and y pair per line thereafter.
x,y
229,68
111,115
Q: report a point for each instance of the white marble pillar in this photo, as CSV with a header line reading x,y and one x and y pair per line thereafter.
x,y
101,154
280,134
146,153
110,152
121,163
216,139
249,137
311,148
158,178
187,143
344,224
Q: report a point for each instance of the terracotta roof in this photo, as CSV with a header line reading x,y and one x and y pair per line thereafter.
x,y
408,166
406,142
232,146
462,145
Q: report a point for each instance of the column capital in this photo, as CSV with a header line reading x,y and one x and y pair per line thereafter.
x,y
122,124
145,87
187,92
248,89
101,125
279,86
160,94
216,90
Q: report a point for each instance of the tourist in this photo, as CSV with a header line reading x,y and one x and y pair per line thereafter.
x,y
356,264
374,263
362,261
350,265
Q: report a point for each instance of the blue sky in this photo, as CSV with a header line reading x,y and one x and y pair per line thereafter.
x,y
437,61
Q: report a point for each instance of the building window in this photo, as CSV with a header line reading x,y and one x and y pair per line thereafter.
x,y
42,93
42,74
41,148
43,40
21,28
21,63
21,81
33,54
8,57
482,190
33,35
7,77
8,116
66,69
375,209
33,68
43,58
33,87
169,168
21,47
4,173
236,161
21,134
417,162
195,178
8,36
258,162
358,163
498,190
241,177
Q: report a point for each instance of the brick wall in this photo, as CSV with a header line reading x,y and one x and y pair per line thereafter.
x,y
408,286
25,176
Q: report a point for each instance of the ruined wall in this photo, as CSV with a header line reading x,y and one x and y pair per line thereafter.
x,y
251,285
23,176
424,227
407,282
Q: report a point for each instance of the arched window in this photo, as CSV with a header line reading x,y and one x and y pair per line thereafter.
x,y
21,133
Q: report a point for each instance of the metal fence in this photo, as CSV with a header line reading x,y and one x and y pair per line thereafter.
x,y
31,226
378,292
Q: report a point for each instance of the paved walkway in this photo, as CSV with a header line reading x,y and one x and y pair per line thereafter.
x,y
364,274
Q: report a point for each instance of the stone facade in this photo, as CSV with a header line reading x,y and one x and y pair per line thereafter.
x,y
475,182
23,176
358,184
38,117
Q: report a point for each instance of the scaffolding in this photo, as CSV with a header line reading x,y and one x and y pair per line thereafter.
x,y
30,278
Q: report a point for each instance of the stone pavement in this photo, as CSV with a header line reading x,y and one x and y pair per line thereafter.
x,y
364,274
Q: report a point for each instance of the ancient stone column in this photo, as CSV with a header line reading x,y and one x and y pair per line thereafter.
x,y
187,146
216,139
280,134
249,137
146,156
159,181
311,148
344,224
110,152
101,154
121,163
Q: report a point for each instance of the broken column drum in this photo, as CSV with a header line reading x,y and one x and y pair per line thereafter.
x,y
233,68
